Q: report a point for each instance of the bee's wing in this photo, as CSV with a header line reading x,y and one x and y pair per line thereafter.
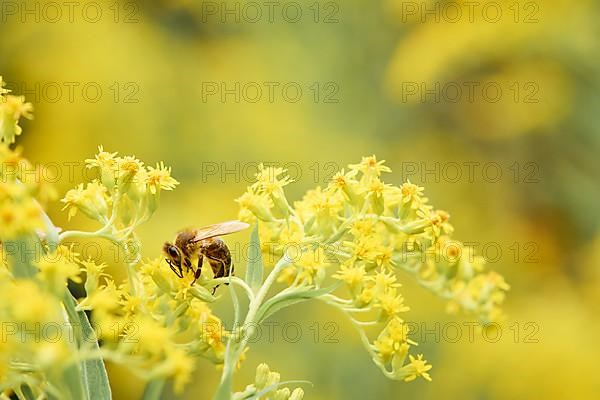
x,y
223,228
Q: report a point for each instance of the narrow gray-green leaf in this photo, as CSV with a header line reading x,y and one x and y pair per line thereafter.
x,y
254,269
94,376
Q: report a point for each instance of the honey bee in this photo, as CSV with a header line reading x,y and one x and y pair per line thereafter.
x,y
204,242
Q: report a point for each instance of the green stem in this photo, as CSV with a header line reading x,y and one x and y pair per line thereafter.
x,y
153,389
233,354
102,232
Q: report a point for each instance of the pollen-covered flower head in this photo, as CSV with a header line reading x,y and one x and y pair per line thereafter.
x,y
129,170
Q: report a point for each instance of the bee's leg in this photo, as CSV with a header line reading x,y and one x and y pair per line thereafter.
x,y
198,268
188,264
177,272
220,268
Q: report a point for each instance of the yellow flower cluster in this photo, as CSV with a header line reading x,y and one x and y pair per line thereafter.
x,y
35,343
158,330
19,186
366,231
125,194
153,323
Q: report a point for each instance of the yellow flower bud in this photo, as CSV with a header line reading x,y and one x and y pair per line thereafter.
x,y
282,394
297,394
262,376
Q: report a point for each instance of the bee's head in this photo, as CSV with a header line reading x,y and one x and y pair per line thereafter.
x,y
173,254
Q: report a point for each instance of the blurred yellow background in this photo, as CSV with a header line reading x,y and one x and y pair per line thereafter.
x,y
492,106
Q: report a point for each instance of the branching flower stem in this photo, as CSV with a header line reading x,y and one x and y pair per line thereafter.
x,y
249,323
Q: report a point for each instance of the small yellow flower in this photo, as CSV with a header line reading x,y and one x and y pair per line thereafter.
x,y
148,334
365,297
91,200
370,166
212,332
342,179
55,273
363,227
383,281
352,275
129,170
159,178
38,307
180,366
259,204
12,108
391,303
268,180
107,165
50,355
398,331
106,299
19,218
410,192
321,204
94,272
130,303
417,367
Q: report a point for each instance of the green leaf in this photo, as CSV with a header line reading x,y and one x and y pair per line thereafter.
x,y
224,391
254,270
236,307
286,299
94,376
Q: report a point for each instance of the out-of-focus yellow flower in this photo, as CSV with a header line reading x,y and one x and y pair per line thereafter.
x,y
56,273
12,108
180,366
3,89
